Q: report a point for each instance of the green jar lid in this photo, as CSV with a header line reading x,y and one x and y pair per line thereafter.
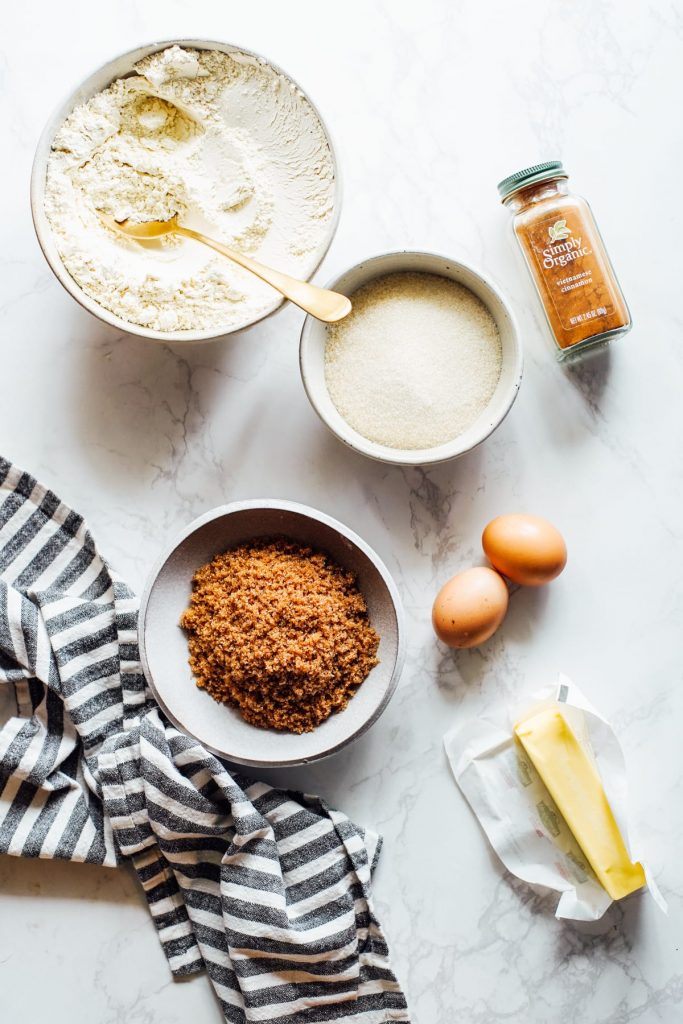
x,y
537,172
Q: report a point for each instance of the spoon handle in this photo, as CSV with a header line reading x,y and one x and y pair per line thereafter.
x,y
319,302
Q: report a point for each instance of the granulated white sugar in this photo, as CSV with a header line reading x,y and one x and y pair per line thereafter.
x,y
415,363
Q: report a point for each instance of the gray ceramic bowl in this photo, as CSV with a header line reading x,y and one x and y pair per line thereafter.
x,y
120,67
163,644
312,357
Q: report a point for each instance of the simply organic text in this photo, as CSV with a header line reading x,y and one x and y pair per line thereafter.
x,y
564,252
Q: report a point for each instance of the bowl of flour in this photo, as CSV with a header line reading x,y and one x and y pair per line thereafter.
x,y
208,131
425,367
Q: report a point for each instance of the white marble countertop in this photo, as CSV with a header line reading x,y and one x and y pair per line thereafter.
x,y
430,103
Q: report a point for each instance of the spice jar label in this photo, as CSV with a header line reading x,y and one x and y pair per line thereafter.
x,y
569,269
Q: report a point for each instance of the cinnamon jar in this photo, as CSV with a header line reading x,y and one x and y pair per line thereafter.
x,y
567,259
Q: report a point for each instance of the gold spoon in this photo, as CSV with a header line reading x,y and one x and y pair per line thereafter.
x,y
319,302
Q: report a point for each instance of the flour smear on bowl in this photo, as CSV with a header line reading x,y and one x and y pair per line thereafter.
x,y
223,140
415,363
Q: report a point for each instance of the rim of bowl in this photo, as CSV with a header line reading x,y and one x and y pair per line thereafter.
x,y
348,534
418,456
43,229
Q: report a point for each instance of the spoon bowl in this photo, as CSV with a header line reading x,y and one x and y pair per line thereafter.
x,y
143,229
320,303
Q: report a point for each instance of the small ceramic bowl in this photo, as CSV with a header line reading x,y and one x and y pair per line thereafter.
x,y
164,649
312,358
120,67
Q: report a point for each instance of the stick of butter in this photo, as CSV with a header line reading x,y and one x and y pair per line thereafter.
x,y
573,782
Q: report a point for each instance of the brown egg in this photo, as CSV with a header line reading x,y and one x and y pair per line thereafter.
x,y
526,549
470,607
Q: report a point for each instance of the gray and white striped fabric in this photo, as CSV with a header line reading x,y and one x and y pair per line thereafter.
x,y
268,891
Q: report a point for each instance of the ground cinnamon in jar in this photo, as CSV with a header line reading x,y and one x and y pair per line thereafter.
x,y
566,256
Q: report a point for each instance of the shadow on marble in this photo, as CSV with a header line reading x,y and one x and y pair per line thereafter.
x,y
590,376
618,928
324,443
570,417
342,778
64,880
623,918
428,491
328,778
466,669
526,612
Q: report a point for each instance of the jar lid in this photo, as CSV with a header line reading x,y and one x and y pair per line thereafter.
x,y
537,172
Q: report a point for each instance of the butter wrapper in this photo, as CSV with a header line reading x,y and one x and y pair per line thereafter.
x,y
519,816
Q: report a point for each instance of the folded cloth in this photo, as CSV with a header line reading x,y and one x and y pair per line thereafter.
x,y
269,891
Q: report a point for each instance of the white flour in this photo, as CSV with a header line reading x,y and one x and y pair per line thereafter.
x,y
415,363
224,141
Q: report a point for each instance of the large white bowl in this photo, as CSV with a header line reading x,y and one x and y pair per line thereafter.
x,y
119,67
164,649
312,358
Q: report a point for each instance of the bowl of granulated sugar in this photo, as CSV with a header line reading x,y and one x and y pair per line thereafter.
x,y
423,369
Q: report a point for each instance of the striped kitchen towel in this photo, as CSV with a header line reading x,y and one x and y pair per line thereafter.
x,y
268,891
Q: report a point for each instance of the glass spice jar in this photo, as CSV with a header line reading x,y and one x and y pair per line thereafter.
x,y
566,257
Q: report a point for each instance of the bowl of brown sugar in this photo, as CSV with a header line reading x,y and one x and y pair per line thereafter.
x,y
271,633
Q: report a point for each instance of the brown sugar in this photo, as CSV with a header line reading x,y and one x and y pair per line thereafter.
x,y
279,631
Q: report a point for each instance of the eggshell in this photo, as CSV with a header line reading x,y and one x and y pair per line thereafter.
x,y
527,549
470,607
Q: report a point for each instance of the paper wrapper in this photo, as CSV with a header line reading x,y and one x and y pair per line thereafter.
x,y
518,814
